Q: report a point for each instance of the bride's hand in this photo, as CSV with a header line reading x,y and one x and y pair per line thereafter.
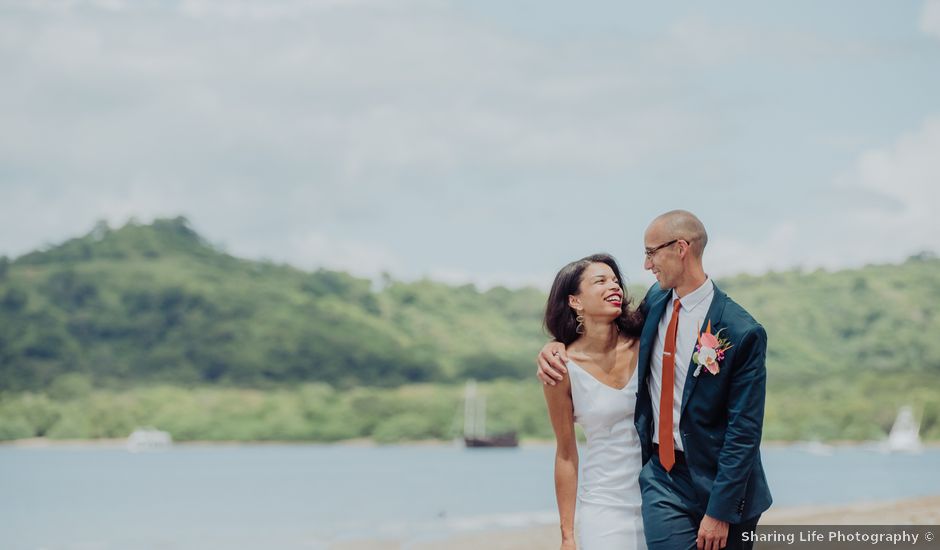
x,y
551,363
568,545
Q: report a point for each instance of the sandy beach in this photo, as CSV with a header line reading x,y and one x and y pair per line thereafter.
x,y
918,511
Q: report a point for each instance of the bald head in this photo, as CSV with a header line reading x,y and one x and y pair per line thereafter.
x,y
682,224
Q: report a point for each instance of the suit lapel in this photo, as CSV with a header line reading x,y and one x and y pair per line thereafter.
x,y
715,311
648,337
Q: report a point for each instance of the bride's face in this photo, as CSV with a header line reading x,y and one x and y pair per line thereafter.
x,y
599,293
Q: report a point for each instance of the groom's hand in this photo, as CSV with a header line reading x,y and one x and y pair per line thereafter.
x,y
712,534
551,361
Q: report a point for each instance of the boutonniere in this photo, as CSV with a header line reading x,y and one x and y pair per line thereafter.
x,y
710,350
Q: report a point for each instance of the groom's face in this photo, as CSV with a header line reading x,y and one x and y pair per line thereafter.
x,y
661,260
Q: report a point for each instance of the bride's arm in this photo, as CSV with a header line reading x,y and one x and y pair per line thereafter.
x,y
561,412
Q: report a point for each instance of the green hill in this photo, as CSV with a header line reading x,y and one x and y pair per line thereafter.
x,y
152,324
148,303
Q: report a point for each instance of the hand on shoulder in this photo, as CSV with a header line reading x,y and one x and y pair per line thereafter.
x,y
551,363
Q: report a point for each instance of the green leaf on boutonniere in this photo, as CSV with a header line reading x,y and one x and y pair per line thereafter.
x,y
695,358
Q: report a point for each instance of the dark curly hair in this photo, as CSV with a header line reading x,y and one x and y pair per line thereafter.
x,y
560,320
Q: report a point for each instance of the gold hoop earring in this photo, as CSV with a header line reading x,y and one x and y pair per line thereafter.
x,y
580,319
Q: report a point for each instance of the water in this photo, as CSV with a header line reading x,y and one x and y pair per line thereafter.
x,y
283,496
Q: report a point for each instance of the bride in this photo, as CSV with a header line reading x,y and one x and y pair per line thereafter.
x,y
589,312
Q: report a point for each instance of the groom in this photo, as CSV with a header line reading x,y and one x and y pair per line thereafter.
x,y
700,404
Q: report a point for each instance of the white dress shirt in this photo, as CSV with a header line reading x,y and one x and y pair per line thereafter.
x,y
691,320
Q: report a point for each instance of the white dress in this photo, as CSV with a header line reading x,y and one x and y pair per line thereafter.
x,y
608,515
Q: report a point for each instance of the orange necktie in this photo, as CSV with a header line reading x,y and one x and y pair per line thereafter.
x,y
667,453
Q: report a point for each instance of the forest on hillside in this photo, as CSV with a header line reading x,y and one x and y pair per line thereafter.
x,y
151,324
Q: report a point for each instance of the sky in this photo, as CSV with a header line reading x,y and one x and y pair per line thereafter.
x,y
487,141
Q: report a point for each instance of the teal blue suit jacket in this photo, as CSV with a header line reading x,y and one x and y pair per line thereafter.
x,y
721,414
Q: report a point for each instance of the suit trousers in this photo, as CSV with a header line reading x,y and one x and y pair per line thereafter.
x,y
673,509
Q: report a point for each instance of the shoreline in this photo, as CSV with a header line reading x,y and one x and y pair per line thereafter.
x,y
42,442
913,511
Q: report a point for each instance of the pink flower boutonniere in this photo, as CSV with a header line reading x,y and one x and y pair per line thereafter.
x,y
709,351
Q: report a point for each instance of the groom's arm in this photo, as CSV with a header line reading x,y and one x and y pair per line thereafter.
x,y
551,361
745,423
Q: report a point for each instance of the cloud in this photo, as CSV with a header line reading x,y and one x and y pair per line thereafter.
x,y
118,109
730,254
907,171
883,208
313,249
361,135
275,10
705,42
331,92
930,18
486,279
905,176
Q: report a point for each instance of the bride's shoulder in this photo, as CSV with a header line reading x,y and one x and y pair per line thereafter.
x,y
575,353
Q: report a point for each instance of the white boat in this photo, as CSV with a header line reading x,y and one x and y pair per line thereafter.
x,y
905,433
148,439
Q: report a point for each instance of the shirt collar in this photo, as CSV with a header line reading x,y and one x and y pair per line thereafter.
x,y
691,300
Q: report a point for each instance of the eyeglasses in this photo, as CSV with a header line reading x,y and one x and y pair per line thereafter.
x,y
651,251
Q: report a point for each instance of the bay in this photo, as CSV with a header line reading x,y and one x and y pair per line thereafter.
x,y
310,496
